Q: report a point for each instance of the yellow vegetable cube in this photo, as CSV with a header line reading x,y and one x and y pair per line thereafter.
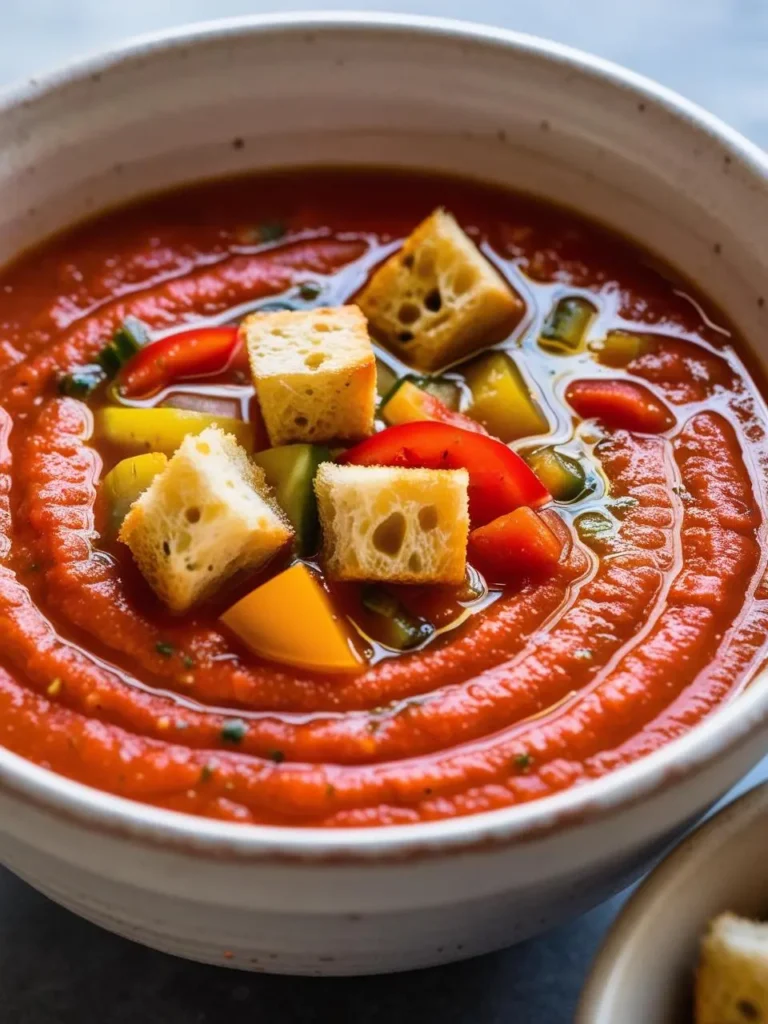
x,y
501,400
266,622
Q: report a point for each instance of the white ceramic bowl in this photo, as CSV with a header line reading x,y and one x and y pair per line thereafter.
x,y
644,971
303,89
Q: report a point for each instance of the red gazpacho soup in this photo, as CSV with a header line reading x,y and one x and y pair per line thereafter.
x,y
360,498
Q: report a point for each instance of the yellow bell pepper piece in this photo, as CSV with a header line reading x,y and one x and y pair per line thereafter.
x,y
501,400
409,404
127,481
162,430
290,619
619,348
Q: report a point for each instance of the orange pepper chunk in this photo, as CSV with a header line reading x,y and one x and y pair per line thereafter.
x,y
290,619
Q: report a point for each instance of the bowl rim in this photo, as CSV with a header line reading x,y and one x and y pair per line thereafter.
x,y
713,738
711,835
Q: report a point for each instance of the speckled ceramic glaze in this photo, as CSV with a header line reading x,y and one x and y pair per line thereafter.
x,y
416,92
645,969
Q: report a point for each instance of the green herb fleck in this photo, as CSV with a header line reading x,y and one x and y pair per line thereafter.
x,y
206,773
523,761
271,231
233,730
330,791
277,756
187,661
165,650
584,654
309,290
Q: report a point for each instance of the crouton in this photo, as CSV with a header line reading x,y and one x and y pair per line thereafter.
x,y
438,298
314,372
394,524
204,517
732,979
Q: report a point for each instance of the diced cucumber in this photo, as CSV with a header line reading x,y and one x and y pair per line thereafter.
x,y
395,627
566,326
501,400
126,482
290,470
386,378
562,475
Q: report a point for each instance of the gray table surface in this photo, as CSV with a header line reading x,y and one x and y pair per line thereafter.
x,y
57,969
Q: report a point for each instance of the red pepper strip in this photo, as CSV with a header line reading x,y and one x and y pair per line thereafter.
x,y
514,546
199,352
621,404
499,480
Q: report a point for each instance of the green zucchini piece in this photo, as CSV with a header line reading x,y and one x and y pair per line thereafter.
x,y
386,379
566,326
396,628
129,337
290,470
562,475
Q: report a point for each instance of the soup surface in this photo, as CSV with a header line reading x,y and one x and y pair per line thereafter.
x,y
467,697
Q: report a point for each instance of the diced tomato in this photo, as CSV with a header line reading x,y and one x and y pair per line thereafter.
x,y
514,546
621,404
199,352
499,480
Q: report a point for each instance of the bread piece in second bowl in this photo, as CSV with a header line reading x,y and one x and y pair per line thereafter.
x,y
393,524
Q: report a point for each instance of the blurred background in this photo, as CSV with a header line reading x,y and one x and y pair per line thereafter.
x,y
714,51
57,969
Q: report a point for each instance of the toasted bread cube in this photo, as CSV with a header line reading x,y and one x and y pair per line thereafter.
x,y
207,515
314,372
438,298
732,979
393,524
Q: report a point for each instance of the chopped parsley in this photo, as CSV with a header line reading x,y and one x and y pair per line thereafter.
x,y
187,661
206,773
165,650
330,791
233,730
523,761
270,231
277,756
